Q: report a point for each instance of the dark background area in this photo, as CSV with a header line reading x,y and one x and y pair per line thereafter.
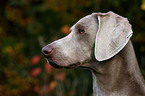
x,y
27,25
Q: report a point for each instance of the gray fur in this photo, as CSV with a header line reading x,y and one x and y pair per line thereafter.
x,y
116,76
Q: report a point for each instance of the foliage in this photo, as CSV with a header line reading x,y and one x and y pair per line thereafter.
x,y
27,25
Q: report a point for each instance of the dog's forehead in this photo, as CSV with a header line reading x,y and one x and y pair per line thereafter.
x,y
84,21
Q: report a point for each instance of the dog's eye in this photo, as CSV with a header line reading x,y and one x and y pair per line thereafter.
x,y
81,31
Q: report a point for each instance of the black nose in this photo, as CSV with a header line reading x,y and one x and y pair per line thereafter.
x,y
47,50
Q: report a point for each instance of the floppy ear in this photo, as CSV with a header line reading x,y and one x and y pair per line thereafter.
x,y
113,34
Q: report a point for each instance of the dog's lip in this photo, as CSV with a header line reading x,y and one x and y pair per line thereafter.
x,y
55,65
67,67
72,65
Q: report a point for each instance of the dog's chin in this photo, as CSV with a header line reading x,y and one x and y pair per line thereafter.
x,y
67,67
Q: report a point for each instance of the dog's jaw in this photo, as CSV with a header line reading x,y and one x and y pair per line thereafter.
x,y
67,67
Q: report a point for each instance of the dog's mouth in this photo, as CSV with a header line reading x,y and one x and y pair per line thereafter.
x,y
67,67
55,65
73,65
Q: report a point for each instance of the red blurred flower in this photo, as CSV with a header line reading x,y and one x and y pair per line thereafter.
x,y
35,60
35,72
65,29
47,67
61,76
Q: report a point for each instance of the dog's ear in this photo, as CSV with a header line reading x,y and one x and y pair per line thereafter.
x,y
113,34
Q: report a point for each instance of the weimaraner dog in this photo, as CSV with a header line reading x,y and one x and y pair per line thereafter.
x,y
100,42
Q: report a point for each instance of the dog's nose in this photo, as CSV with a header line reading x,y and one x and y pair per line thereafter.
x,y
47,50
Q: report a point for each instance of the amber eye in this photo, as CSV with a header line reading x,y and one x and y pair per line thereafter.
x,y
81,31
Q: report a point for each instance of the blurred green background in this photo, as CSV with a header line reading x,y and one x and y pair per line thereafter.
x,y
27,25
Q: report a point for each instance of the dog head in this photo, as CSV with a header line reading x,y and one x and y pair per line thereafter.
x,y
99,35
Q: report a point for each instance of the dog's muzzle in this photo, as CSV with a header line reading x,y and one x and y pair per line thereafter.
x,y
47,52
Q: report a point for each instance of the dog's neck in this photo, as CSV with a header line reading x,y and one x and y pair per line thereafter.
x,y
119,76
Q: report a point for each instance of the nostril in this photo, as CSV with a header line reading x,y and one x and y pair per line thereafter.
x,y
45,52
